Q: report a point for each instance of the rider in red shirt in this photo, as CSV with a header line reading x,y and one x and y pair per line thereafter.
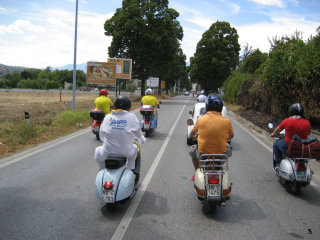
x,y
294,125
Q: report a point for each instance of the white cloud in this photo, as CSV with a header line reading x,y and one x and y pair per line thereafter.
x,y
2,10
50,42
235,7
201,21
190,40
256,35
278,3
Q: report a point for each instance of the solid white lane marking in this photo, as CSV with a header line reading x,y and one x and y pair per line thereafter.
x,y
124,224
32,151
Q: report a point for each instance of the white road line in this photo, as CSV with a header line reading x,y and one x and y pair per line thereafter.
x,y
18,157
251,134
32,151
124,224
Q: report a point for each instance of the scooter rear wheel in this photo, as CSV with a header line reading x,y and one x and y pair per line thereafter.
x,y
98,136
111,206
294,187
212,206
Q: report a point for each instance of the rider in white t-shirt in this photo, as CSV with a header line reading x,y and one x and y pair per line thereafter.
x,y
118,132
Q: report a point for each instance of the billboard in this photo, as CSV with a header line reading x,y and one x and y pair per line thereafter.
x,y
124,67
101,73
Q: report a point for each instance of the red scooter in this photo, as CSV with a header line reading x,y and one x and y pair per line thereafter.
x,y
97,116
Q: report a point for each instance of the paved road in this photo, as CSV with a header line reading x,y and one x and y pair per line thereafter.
x,y
48,192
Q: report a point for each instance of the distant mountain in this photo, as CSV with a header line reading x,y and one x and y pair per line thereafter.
x,y
80,66
4,69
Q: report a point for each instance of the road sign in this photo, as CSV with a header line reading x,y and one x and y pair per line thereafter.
x,y
101,73
152,82
124,67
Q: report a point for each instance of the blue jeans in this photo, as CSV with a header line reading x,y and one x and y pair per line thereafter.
x,y
279,151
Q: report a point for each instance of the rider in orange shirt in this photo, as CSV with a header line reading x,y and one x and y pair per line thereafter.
x,y
213,129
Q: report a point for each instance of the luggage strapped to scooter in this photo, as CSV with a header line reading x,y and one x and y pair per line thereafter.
x,y
299,148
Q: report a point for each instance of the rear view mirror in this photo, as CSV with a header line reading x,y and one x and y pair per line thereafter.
x,y
270,125
190,122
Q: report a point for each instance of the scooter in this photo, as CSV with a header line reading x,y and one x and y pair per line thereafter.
x,y
149,119
212,181
115,183
293,173
97,116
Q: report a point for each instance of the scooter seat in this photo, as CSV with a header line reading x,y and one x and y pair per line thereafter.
x,y
115,162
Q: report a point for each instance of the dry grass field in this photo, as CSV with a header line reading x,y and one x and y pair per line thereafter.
x,y
42,108
40,105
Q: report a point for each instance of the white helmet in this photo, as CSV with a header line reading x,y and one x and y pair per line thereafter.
x,y
202,98
149,91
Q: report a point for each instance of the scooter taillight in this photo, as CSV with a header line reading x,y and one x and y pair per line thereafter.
x,y
108,185
301,167
213,178
147,121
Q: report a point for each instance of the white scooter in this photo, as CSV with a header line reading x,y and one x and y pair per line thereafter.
x,y
212,181
115,183
293,173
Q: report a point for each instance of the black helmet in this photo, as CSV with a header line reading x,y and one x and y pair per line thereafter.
x,y
214,103
296,109
122,102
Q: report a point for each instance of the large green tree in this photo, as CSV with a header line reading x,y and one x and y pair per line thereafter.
x,y
147,31
217,54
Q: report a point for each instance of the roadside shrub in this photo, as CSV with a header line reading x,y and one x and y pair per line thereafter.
x,y
71,117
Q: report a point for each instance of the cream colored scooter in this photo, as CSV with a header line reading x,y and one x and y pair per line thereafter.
x,y
212,181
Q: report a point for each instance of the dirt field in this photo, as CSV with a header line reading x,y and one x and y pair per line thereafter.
x,y
40,105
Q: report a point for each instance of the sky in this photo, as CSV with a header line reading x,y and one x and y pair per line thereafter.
x,y
41,33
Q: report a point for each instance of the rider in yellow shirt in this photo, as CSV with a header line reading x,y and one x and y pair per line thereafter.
x,y
103,102
149,99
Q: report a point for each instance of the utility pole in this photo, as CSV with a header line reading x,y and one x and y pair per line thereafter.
x,y
74,85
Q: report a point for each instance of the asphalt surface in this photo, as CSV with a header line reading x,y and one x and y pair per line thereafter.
x,y
48,192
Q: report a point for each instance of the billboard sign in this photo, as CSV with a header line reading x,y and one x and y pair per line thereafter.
x,y
152,82
124,67
101,73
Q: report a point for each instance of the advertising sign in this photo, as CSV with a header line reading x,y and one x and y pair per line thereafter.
x,y
124,67
101,73
163,84
152,82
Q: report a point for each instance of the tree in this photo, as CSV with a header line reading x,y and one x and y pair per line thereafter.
x,y
253,61
217,54
147,32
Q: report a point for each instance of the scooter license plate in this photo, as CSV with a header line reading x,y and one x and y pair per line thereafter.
x,y
146,125
301,176
108,196
213,190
